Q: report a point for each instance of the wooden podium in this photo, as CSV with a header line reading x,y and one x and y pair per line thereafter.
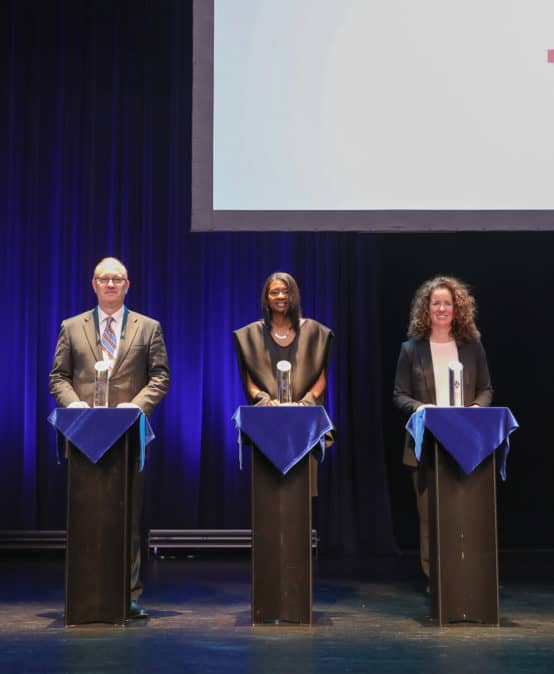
x,y
103,451
461,477
281,543
463,542
282,439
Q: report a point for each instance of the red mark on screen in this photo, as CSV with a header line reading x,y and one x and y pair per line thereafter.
x,y
550,55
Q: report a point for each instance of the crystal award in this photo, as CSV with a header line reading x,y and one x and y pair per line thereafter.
x,y
101,383
456,383
284,388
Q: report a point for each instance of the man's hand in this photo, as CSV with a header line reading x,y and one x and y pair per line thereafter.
x,y
129,405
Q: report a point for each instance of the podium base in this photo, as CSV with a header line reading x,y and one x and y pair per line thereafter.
x,y
281,543
463,540
97,578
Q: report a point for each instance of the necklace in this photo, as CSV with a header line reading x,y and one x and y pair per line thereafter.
x,y
276,334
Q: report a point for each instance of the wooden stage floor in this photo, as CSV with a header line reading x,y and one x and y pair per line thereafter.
x,y
368,618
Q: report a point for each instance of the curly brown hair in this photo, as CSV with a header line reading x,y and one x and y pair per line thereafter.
x,y
463,325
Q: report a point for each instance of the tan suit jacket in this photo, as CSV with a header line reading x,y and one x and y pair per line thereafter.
x,y
140,374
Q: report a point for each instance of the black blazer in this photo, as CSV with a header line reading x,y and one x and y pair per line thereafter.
x,y
414,384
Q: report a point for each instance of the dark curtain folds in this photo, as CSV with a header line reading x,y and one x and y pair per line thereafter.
x,y
95,136
95,123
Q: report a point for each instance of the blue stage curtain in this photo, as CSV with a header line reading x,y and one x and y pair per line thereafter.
x,y
95,131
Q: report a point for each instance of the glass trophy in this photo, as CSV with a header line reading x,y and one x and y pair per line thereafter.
x,y
456,383
101,383
284,387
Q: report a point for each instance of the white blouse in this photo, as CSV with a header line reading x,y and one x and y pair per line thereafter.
x,y
442,353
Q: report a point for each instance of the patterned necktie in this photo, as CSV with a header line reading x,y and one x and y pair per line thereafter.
x,y
109,342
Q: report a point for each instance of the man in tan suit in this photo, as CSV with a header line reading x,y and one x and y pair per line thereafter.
x,y
133,347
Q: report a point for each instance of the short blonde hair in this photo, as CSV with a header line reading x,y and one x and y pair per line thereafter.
x,y
111,261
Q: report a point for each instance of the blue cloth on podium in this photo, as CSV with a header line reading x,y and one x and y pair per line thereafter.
x,y
469,434
95,429
283,434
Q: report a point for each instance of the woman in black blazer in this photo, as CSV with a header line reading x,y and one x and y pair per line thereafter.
x,y
442,328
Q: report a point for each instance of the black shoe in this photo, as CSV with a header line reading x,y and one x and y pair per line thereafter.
x,y
136,610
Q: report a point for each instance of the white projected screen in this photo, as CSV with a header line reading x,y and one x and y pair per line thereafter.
x,y
365,105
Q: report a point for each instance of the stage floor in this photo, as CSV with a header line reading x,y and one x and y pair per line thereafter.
x,y
368,618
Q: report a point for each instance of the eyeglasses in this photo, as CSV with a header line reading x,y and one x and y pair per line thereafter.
x,y
104,280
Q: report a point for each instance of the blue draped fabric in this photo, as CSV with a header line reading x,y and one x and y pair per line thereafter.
x,y
95,128
95,431
284,435
469,434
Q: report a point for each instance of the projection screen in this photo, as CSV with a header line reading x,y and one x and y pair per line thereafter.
x,y
427,115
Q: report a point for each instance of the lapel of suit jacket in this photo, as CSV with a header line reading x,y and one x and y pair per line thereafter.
x,y
423,349
128,333
92,334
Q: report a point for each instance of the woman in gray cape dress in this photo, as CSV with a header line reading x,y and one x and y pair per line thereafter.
x,y
283,334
